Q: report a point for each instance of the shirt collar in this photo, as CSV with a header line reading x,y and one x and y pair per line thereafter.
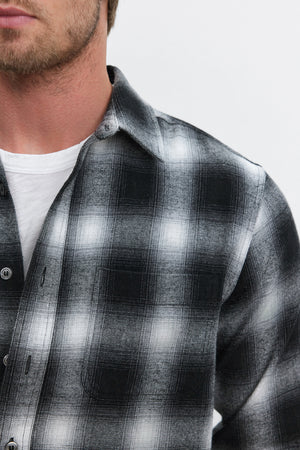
x,y
128,112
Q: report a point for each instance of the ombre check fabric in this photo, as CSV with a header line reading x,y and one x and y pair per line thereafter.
x,y
164,284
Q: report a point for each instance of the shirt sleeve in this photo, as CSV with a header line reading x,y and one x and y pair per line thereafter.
x,y
257,385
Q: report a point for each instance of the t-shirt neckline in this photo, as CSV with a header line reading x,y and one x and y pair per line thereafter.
x,y
43,163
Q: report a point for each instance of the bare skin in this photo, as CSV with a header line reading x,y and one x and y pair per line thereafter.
x,y
54,86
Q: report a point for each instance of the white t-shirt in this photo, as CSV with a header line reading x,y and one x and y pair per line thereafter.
x,y
34,181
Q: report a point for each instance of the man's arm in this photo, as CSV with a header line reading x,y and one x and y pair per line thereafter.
x,y
257,388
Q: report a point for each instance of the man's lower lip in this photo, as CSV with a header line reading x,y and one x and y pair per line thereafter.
x,y
14,21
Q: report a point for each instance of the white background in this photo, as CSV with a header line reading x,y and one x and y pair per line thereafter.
x,y
231,68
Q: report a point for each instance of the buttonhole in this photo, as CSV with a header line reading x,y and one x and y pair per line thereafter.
x,y
43,276
28,362
2,190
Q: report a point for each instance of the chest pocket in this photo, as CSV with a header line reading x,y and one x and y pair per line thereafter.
x,y
146,332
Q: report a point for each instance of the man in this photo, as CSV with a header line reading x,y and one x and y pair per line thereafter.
x,y
149,273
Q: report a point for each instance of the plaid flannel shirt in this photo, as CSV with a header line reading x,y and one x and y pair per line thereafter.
x,y
164,284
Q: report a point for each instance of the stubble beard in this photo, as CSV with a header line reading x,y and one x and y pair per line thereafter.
x,y
47,55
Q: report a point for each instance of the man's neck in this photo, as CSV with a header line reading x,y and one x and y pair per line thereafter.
x,y
50,114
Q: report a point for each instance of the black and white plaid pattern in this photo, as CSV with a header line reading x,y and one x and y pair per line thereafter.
x,y
164,284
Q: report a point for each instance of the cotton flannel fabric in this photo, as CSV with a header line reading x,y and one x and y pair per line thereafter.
x,y
164,284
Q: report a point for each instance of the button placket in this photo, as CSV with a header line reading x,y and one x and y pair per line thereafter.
x,y
24,376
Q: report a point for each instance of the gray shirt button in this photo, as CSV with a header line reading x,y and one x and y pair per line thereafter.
x,y
5,358
11,445
6,273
